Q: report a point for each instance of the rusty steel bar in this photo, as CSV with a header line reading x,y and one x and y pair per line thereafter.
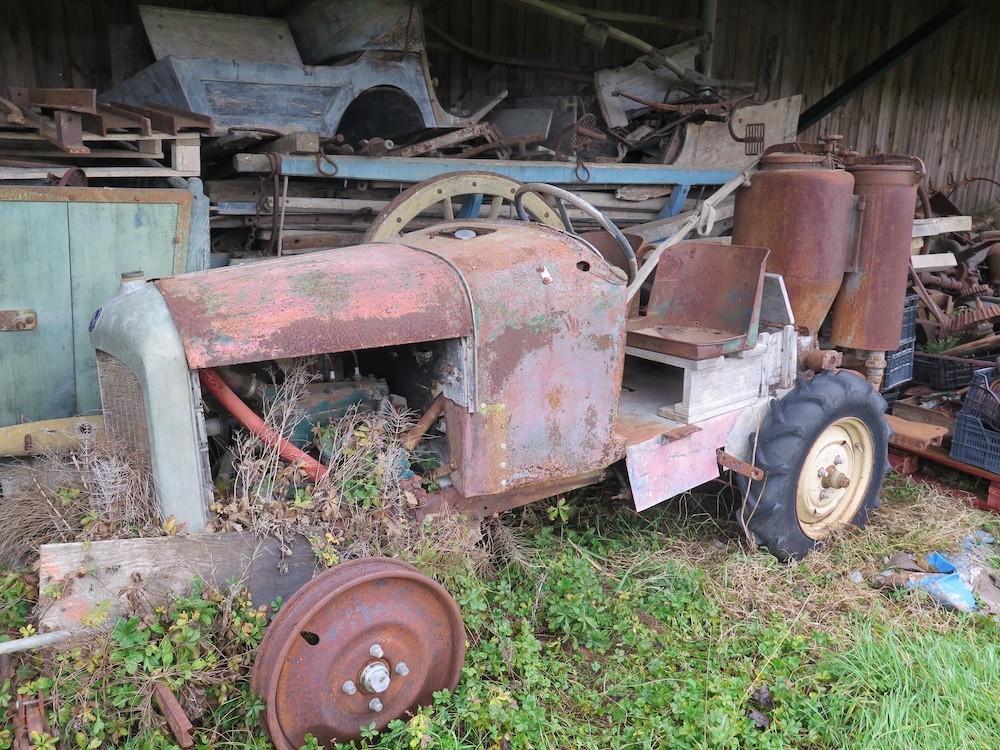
x,y
732,463
414,436
178,721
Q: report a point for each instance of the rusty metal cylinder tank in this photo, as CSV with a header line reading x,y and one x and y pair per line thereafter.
x,y
799,205
868,312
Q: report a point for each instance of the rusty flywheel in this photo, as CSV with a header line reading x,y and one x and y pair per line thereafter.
x,y
365,642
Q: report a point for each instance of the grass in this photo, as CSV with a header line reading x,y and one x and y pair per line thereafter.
x,y
597,627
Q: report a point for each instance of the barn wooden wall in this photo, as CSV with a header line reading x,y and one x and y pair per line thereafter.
x,y
942,104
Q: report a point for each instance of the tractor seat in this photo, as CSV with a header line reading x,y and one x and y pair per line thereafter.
x,y
705,301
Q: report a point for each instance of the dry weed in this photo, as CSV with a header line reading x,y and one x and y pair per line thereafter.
x,y
365,506
91,493
831,588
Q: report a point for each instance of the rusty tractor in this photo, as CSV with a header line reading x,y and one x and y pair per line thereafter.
x,y
538,358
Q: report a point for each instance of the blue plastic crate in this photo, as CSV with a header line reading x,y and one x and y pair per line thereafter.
x,y
898,366
975,444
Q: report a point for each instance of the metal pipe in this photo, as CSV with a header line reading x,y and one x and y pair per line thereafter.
x,y
707,14
414,436
34,641
212,382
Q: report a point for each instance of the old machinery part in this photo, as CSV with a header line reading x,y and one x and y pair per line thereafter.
x,y
212,382
564,196
820,359
823,448
887,187
363,643
473,187
799,206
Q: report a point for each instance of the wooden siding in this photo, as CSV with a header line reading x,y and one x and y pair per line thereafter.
x,y
942,104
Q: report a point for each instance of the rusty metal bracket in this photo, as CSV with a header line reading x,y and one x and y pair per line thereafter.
x,y
18,320
178,721
729,461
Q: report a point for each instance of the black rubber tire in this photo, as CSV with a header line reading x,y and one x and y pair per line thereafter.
x,y
789,431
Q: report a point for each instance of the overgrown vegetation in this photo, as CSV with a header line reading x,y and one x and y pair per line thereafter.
x,y
597,627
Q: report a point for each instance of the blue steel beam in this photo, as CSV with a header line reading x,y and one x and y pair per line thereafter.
x,y
418,169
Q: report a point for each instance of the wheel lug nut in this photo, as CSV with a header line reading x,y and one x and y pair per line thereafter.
x,y
822,473
401,669
349,688
824,495
376,651
838,461
375,705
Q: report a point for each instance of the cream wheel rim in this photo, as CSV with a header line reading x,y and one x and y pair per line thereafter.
x,y
835,477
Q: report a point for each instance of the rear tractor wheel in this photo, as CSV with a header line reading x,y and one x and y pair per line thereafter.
x,y
824,452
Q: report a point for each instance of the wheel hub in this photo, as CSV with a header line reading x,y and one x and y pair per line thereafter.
x,y
365,642
835,477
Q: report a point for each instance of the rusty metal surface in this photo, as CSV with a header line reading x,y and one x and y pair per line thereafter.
x,y
731,462
659,469
550,350
800,209
18,320
178,721
868,312
705,301
325,636
333,301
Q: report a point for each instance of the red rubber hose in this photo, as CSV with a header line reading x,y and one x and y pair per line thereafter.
x,y
212,382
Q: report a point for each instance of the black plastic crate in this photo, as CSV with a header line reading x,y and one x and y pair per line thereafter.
x,y
981,402
973,443
944,373
898,366
908,333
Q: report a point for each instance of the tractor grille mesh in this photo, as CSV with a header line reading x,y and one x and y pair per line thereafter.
x,y
124,411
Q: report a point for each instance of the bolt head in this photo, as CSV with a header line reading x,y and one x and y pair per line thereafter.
x,y
401,669
838,460
375,705
349,688
376,651
822,473
824,495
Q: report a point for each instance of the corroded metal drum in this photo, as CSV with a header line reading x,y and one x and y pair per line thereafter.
x,y
799,206
868,312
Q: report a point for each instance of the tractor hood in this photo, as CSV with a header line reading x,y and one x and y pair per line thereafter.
x,y
333,301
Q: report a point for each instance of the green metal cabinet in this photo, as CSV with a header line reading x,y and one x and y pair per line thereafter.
x,y
62,253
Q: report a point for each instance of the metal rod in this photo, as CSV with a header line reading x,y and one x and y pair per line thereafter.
x,y
34,641
882,64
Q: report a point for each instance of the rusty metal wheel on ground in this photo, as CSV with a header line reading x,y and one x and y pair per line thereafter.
x,y
364,642
472,187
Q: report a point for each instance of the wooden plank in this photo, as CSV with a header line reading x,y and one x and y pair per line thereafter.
x,y
293,143
48,436
933,262
186,33
42,173
98,581
941,225
910,409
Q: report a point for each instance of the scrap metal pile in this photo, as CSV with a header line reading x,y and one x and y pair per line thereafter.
x,y
337,80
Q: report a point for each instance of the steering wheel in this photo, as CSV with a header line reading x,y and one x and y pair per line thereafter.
x,y
472,188
576,201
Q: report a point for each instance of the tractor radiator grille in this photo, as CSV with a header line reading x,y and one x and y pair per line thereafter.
x,y
124,410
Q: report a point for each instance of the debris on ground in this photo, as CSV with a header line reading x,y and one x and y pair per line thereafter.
x,y
961,580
